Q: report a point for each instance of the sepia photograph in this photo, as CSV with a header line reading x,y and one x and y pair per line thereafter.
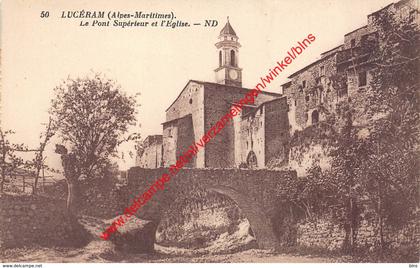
x,y
174,132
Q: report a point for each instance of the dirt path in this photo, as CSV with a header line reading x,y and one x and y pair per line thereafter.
x,y
103,252
99,250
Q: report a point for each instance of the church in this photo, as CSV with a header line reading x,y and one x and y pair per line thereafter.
x,y
257,135
260,135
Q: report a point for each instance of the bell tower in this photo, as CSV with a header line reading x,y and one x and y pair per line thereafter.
x,y
228,72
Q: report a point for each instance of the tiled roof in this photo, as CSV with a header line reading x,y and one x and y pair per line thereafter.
x,y
228,30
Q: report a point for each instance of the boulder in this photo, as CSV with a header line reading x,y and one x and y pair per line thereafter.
x,y
135,236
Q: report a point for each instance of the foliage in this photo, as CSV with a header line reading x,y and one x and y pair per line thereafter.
x,y
92,116
339,83
381,170
377,172
38,162
307,194
9,160
139,147
390,169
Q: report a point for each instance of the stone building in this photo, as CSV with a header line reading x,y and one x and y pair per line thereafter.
x,y
311,91
262,131
151,156
253,137
341,74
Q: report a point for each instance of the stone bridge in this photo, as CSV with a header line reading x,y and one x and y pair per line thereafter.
x,y
254,191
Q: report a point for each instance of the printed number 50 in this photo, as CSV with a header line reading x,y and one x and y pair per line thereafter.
x,y
45,14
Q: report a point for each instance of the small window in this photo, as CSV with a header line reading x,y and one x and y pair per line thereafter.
x,y
362,79
315,117
307,98
220,58
353,42
232,58
190,101
322,71
295,102
304,83
170,132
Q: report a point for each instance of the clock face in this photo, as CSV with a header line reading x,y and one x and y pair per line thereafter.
x,y
233,74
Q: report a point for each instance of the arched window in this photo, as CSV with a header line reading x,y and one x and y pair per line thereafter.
x,y
321,95
315,117
251,160
232,58
220,58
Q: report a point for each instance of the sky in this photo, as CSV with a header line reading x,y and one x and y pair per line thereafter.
x,y
38,53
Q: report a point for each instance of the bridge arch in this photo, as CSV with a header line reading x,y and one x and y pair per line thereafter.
x,y
258,221
253,191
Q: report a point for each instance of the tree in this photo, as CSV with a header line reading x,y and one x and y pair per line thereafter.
x,y
38,163
347,155
388,176
9,160
92,117
381,169
391,177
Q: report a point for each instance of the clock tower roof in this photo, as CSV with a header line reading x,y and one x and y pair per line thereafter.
x,y
228,29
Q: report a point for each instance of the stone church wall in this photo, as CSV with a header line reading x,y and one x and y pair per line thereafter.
x,y
276,130
220,152
170,137
189,102
185,138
